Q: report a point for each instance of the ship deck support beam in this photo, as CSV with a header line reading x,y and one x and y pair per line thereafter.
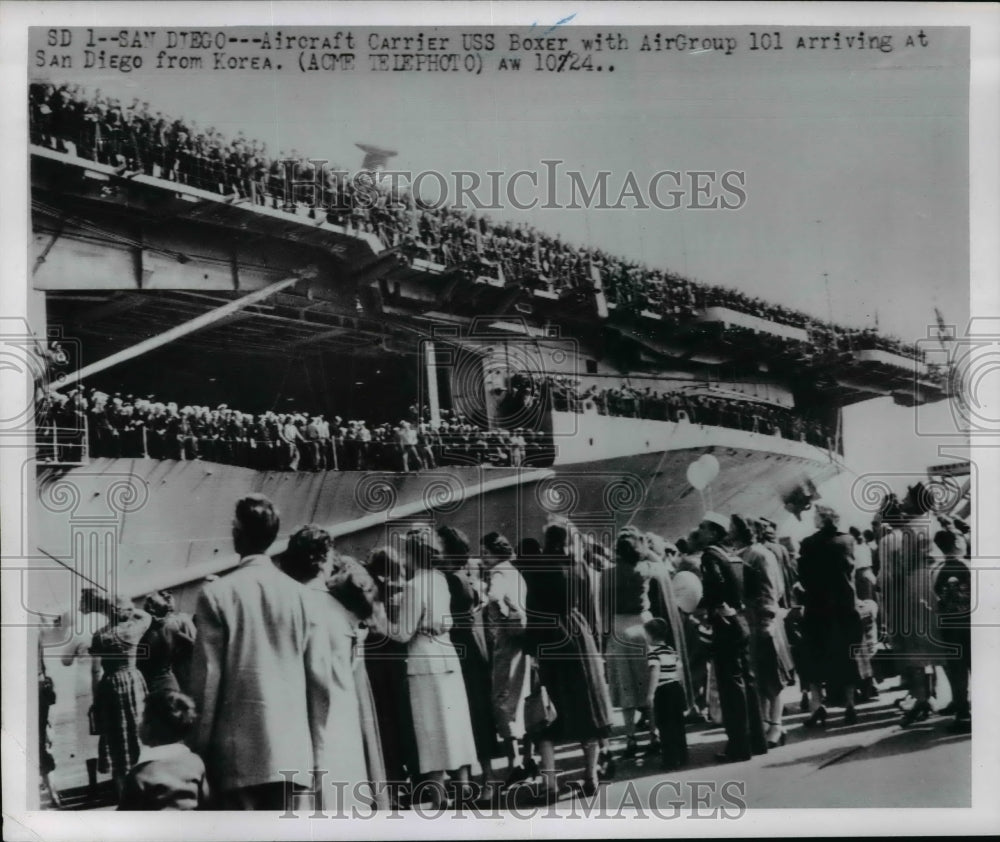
x,y
201,322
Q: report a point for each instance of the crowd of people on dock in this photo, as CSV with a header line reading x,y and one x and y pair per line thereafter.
x,y
136,138
405,677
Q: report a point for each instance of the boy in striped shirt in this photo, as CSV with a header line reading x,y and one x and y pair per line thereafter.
x,y
666,694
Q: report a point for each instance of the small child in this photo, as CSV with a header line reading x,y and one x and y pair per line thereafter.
x,y
168,776
666,695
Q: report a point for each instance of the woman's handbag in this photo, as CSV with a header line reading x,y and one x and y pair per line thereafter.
x,y
888,662
539,712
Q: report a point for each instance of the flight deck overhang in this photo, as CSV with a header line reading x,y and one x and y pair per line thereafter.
x,y
83,186
733,318
124,255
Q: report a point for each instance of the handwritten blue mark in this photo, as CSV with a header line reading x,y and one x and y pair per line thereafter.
x,y
556,24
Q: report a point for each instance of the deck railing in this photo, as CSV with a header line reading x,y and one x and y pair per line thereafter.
x,y
59,446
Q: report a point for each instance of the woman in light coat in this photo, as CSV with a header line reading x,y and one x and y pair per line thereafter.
x,y
356,592
468,636
770,655
625,601
441,720
309,560
569,662
506,618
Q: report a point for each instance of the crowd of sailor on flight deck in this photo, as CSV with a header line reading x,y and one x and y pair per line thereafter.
x,y
135,138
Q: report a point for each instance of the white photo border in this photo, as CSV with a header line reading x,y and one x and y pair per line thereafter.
x,y
16,17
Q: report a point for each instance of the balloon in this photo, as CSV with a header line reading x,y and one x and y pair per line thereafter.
x,y
711,466
696,475
687,591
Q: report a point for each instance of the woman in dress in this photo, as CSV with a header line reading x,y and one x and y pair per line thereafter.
x,y
506,618
569,661
121,692
907,579
83,670
309,560
441,719
169,645
625,601
468,636
866,590
385,663
786,550
356,591
763,585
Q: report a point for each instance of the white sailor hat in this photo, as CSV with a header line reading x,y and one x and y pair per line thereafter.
x,y
714,517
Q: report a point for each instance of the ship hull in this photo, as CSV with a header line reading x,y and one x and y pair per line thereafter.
x,y
167,523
